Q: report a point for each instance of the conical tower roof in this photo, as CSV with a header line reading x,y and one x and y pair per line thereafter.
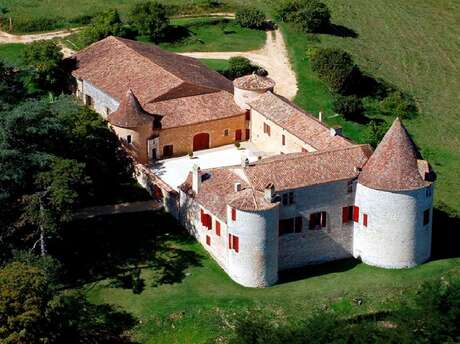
x,y
393,166
130,113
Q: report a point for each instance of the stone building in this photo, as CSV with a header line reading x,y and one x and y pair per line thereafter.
x,y
317,197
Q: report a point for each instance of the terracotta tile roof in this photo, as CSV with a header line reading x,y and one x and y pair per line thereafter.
x,y
299,123
298,170
130,113
249,200
394,166
200,108
116,64
254,82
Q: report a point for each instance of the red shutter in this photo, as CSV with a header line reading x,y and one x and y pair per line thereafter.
x,y
209,221
345,214
236,243
268,130
230,239
248,134
233,214
202,217
323,219
248,115
365,220
283,140
217,228
208,240
356,214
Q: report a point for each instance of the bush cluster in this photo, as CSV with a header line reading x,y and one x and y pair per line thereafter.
x,y
398,104
238,67
310,15
348,106
250,17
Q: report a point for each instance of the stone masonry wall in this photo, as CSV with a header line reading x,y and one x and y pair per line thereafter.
x,y
102,103
335,241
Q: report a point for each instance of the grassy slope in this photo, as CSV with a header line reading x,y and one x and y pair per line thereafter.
x,y
414,45
11,53
193,309
215,64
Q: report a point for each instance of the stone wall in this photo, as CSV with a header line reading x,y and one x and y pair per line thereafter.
x,y
395,236
139,138
101,102
182,137
273,143
333,242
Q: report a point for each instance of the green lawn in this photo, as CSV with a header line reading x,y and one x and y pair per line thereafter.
x,y
215,64
205,34
12,53
414,45
194,307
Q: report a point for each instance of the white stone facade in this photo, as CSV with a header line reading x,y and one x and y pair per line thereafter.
x,y
96,99
396,236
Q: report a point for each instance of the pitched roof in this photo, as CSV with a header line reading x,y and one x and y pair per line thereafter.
x,y
298,170
299,123
254,82
130,113
394,166
116,64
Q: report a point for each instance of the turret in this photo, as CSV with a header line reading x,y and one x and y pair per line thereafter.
x,y
252,222
393,204
250,87
135,126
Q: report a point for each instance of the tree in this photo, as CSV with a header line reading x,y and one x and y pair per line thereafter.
x,y
375,132
336,68
150,19
11,88
106,24
348,106
250,17
313,16
44,58
398,104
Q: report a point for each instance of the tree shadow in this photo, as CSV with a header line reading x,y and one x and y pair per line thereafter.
x,y
176,33
296,274
339,31
446,233
120,246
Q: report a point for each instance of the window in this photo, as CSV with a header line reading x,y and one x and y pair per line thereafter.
x,y
317,220
88,100
234,243
107,111
233,214
168,151
248,115
208,240
217,228
347,214
288,198
365,220
426,217
128,139
283,140
350,186
286,226
206,219
248,134
226,132
304,150
298,224
356,214
266,129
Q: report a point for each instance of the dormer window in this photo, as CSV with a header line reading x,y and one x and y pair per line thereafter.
x,y
129,139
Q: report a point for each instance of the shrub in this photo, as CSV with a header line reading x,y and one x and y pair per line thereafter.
x,y
239,66
250,17
375,132
336,68
150,19
349,106
398,104
311,15
30,24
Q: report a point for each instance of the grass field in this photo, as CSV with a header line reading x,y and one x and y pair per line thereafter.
x,y
12,53
199,297
414,45
215,64
204,34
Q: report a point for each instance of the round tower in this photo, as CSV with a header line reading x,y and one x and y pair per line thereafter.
x,y
135,126
250,87
253,255
393,204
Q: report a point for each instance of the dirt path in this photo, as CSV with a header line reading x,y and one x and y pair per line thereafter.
x,y
9,38
273,57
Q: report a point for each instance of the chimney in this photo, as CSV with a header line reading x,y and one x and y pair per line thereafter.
x,y
196,178
320,116
336,131
237,187
269,193
244,161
